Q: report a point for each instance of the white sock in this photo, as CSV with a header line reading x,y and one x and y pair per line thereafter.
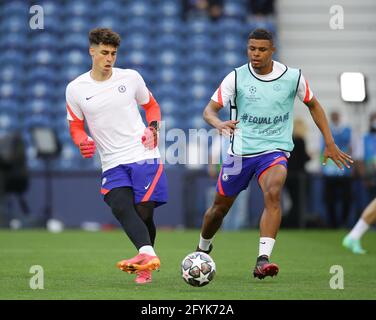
x,y
266,246
148,250
359,229
205,243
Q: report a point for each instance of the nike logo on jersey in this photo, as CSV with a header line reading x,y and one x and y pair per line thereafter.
x,y
147,187
88,98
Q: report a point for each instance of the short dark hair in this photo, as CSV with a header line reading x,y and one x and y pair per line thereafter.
x,y
105,36
261,34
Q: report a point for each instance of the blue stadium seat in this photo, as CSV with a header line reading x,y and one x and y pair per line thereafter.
x,y
37,120
168,91
15,8
9,121
69,73
235,9
63,135
168,57
170,25
200,41
10,90
14,24
232,26
137,25
44,40
200,58
13,57
35,106
42,73
13,41
58,105
170,75
40,90
136,40
76,41
76,56
270,25
138,58
53,24
170,122
51,8
108,7
11,72
106,22
10,105
232,59
62,128
199,74
199,91
140,8
230,41
79,8
169,106
44,57
171,41
197,106
221,71
196,122
200,26
167,9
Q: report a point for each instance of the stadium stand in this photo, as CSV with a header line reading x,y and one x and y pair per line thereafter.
x,y
174,56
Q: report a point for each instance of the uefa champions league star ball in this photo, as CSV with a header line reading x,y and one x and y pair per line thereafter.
x,y
198,269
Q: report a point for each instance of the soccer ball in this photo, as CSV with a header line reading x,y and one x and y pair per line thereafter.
x,y
198,269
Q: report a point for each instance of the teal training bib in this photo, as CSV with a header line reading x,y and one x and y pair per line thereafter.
x,y
265,112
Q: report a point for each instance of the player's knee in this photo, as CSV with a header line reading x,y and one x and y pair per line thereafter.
x,y
219,210
273,195
119,201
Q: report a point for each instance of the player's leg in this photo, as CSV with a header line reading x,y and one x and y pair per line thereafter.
x,y
150,190
146,212
121,202
213,219
271,181
352,240
234,177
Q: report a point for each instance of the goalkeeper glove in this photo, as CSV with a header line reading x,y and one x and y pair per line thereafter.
x,y
87,148
150,137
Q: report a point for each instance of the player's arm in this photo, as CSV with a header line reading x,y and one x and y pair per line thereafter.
x,y
153,112
153,118
81,139
331,150
210,115
224,94
77,127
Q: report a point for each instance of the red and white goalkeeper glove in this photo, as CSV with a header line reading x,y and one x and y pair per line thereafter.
x,y
87,148
150,137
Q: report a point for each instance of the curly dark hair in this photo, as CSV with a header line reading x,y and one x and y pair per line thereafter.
x,y
261,34
104,36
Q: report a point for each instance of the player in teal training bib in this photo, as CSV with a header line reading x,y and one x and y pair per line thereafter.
x,y
261,96
265,111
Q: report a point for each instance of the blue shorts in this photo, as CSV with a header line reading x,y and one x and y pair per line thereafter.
x,y
148,180
237,172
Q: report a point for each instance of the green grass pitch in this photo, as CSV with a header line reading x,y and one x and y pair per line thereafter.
x,y
81,265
